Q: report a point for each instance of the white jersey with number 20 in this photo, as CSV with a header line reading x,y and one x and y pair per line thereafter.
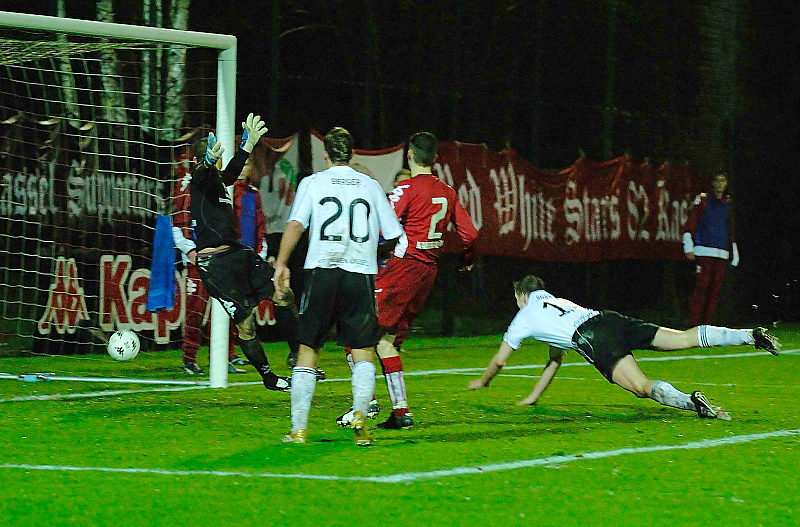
x,y
547,319
344,211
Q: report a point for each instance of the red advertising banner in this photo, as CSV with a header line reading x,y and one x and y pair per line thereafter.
x,y
590,211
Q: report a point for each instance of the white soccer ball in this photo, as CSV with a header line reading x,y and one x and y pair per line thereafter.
x,y
123,345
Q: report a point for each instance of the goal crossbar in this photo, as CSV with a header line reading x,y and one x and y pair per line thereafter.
x,y
119,31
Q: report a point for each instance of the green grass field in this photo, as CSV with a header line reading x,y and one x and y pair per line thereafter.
x,y
158,455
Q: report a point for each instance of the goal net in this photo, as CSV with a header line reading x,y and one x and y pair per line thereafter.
x,y
97,127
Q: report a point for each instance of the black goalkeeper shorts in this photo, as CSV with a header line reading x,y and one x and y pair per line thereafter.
x,y
238,278
608,337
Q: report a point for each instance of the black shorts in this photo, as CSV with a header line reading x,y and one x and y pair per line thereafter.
x,y
238,278
608,337
348,299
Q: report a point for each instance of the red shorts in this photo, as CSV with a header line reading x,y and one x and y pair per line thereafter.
x,y
401,289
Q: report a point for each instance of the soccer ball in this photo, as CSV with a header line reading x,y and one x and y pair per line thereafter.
x,y
123,345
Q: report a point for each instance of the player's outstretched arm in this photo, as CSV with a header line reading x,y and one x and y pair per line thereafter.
x,y
495,365
556,355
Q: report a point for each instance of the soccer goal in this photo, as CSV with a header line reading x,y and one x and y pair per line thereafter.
x,y
97,127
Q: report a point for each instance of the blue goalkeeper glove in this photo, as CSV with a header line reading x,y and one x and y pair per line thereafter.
x,y
214,150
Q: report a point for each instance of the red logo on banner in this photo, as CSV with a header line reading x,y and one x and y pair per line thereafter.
x,y
122,302
66,303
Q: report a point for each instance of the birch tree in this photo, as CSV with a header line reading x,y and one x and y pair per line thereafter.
x,y
112,101
71,110
176,72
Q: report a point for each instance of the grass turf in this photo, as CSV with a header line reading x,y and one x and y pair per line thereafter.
x,y
191,433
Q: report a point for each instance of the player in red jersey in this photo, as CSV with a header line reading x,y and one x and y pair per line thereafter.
x,y
425,207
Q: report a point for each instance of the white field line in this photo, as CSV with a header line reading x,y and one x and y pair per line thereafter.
x,y
452,371
601,379
411,477
105,393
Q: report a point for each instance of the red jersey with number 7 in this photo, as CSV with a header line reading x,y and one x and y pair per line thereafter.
x,y
425,206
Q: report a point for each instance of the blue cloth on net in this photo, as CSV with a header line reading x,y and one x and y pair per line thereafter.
x,y
161,295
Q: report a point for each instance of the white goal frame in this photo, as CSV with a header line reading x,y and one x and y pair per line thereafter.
x,y
225,125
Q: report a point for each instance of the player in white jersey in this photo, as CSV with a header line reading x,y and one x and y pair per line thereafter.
x,y
605,339
344,212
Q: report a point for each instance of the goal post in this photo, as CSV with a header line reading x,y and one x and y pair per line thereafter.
x,y
35,209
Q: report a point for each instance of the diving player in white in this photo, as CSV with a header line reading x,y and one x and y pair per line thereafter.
x,y
605,339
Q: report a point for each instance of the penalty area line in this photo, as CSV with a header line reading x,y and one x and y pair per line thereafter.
x,y
412,477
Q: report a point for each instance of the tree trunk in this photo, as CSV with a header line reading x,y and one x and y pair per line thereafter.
x,y
176,67
71,109
111,96
145,96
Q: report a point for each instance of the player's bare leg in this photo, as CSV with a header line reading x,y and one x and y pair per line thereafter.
x,y
252,349
393,373
628,375
667,339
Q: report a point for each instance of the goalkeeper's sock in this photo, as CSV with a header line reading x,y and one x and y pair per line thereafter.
x,y
666,394
255,354
304,382
395,382
348,354
363,382
708,336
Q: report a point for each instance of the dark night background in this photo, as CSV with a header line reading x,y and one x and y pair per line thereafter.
x,y
711,83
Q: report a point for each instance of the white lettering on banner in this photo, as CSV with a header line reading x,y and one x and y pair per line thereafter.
x,y
27,194
638,212
672,215
590,219
469,195
505,202
573,213
444,173
536,215
87,192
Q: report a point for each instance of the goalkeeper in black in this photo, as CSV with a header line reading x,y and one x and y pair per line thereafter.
x,y
233,273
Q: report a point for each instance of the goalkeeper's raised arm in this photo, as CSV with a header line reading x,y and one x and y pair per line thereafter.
x,y
253,128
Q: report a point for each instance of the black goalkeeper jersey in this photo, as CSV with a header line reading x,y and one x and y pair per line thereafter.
x,y
212,207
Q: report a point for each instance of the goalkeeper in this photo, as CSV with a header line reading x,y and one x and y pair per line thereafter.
x,y
233,273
